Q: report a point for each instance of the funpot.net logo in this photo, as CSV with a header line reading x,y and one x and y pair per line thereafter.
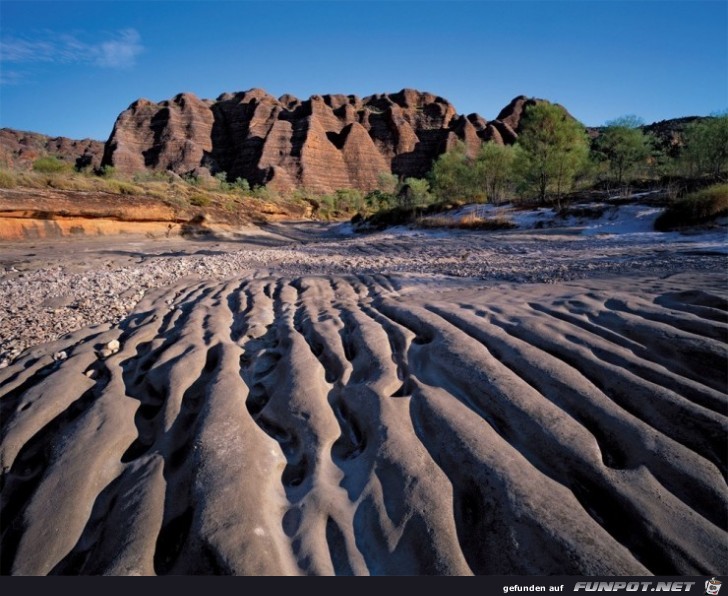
x,y
712,587
627,586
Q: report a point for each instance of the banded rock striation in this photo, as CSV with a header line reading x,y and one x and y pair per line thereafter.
x,y
20,149
323,143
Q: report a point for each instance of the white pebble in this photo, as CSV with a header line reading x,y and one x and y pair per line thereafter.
x,y
105,353
113,346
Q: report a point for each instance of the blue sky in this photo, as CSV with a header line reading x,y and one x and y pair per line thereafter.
x,y
69,68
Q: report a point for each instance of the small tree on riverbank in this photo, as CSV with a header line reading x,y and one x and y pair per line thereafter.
x,y
706,147
553,148
623,146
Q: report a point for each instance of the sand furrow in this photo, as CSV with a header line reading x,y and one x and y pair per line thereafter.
x,y
644,362
686,322
668,412
549,441
625,442
375,425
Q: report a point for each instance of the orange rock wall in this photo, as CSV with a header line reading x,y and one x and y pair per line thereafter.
x,y
324,143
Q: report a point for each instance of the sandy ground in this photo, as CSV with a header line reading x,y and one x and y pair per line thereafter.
x,y
401,403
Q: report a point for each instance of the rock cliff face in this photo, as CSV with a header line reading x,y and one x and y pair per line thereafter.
x,y
19,149
323,143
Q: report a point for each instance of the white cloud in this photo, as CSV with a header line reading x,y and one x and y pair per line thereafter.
x,y
21,50
10,77
119,50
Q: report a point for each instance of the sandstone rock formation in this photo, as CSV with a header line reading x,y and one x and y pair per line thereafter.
x,y
50,213
323,143
19,149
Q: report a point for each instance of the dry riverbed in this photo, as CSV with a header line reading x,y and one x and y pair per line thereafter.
x,y
307,401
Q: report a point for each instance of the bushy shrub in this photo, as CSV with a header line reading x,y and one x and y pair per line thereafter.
x,y
264,193
107,171
695,209
50,165
122,188
242,185
192,179
222,182
199,200
348,200
469,221
388,182
377,200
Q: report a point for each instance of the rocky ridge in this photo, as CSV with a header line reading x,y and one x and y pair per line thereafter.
x,y
323,143
19,149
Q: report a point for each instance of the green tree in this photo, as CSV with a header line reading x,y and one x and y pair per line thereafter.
x,y
553,148
494,170
416,192
622,145
348,199
452,175
706,146
377,200
388,182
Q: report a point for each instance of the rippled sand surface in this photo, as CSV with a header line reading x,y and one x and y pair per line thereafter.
x,y
377,424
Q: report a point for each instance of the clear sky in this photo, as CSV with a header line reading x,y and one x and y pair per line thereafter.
x,y
69,68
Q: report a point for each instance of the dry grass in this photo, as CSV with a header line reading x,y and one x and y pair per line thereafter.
x,y
7,179
695,209
469,221
179,192
224,202
200,200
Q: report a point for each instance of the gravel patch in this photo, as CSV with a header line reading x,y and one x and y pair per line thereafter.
x,y
42,302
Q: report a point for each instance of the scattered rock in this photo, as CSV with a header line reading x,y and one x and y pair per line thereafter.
x,y
60,356
546,258
109,349
57,301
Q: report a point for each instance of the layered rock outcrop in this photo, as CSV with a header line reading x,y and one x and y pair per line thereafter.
x,y
19,149
323,143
